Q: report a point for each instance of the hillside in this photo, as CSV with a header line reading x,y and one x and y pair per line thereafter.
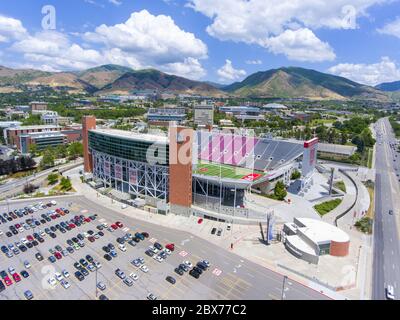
x,y
389,86
302,83
151,79
101,76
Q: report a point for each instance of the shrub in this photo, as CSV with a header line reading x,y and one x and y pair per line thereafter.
x,y
325,207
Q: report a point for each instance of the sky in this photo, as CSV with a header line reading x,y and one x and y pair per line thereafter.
x,y
222,41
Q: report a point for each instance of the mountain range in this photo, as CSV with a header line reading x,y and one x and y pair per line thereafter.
x,y
389,86
291,82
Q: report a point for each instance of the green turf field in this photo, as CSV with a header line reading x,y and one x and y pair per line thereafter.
x,y
226,171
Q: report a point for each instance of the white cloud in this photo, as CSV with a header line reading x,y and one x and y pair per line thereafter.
x,y
11,29
190,68
392,28
156,38
300,45
254,61
371,74
228,73
256,21
54,50
143,41
115,2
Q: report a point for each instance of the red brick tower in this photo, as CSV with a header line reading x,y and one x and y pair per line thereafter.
x,y
180,169
88,123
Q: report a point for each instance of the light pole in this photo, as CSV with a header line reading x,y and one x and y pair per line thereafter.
x,y
284,289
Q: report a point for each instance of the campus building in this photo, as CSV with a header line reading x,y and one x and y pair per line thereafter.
x,y
12,134
163,116
207,173
42,140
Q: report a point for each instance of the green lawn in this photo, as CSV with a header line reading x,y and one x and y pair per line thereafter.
x,y
325,207
226,171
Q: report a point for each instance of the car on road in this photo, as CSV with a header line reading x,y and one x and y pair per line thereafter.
x,y
28,295
120,274
101,286
122,247
151,296
170,279
179,271
128,282
194,274
391,212
144,268
213,230
79,276
390,292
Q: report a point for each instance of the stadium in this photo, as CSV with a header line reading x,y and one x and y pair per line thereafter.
x,y
206,173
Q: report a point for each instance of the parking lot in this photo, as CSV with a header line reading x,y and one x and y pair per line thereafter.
x,y
224,279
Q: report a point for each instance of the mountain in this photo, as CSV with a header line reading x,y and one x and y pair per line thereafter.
x,y
150,79
293,82
65,80
216,85
103,75
389,86
9,77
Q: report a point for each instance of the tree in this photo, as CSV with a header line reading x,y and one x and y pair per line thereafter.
x,y
295,175
47,159
75,149
33,149
280,190
52,178
29,188
65,184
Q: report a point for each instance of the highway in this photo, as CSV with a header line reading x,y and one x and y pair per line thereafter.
x,y
386,260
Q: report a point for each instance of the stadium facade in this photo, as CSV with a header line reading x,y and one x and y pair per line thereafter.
x,y
188,172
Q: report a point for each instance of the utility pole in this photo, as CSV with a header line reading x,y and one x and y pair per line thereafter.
x,y
283,287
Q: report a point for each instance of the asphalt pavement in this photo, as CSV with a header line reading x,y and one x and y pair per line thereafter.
x,y
386,269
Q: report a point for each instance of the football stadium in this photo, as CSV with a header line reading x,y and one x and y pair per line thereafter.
x,y
189,172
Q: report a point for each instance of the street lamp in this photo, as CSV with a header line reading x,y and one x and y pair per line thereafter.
x,y
284,288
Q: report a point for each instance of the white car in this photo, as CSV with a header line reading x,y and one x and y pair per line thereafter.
x,y
53,202
21,229
11,270
122,247
59,276
65,284
159,259
105,225
390,292
167,251
42,234
144,268
134,276
86,235
97,264
1,233
188,264
154,249
24,241
52,282
65,273
207,263
27,264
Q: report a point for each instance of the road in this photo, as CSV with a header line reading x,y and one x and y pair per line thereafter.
x,y
13,186
386,266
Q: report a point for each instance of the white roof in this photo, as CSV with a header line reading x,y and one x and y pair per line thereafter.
x,y
133,135
319,231
300,244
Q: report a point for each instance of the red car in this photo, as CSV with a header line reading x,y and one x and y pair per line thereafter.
x,y
72,226
119,224
53,216
170,246
58,255
145,234
30,238
18,226
7,281
58,210
91,239
115,227
87,220
16,277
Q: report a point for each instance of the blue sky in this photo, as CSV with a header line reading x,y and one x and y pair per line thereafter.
x,y
221,41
